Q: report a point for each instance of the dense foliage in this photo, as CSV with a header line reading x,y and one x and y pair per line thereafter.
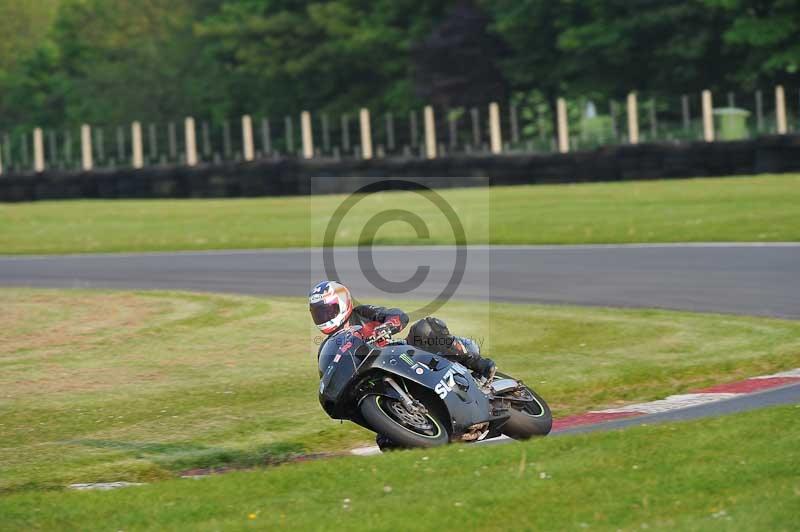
x,y
111,61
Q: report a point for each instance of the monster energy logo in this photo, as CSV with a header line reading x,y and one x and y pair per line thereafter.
x,y
407,359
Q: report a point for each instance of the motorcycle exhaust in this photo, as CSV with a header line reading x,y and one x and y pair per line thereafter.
x,y
501,386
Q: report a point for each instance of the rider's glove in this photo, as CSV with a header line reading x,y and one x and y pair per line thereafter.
x,y
382,333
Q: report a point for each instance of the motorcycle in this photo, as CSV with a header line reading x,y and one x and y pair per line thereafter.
x,y
420,399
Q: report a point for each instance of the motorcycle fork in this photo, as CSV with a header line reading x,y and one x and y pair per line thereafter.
x,y
410,404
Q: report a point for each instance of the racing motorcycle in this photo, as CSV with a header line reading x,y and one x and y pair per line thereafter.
x,y
421,399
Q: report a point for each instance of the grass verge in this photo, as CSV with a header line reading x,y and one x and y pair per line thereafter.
x,y
737,472
139,386
761,209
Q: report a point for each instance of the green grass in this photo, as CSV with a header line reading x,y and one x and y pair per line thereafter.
x,y
737,472
104,386
762,208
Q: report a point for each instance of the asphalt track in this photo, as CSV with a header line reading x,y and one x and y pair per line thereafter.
x,y
774,397
750,279
754,279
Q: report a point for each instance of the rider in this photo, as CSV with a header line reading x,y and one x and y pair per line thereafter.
x,y
331,307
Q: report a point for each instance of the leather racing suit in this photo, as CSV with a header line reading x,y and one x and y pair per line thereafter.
x,y
430,334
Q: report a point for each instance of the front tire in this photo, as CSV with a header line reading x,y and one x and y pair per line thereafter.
x,y
528,419
389,417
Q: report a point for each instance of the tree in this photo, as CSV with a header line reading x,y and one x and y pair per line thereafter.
x,y
765,37
457,64
132,60
284,55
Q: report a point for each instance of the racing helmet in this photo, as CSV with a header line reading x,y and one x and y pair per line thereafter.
x,y
330,305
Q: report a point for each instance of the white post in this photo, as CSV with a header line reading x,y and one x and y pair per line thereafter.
x,y
190,134
495,136
780,110
86,148
307,134
633,118
137,155
38,150
430,133
708,117
247,138
563,126
366,134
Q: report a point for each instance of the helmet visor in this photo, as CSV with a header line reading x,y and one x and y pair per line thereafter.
x,y
322,312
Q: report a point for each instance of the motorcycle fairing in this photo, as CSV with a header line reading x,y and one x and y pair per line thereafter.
x,y
465,403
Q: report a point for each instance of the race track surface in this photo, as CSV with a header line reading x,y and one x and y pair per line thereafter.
x,y
757,279
779,396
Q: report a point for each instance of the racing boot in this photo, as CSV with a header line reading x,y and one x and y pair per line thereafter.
x,y
469,354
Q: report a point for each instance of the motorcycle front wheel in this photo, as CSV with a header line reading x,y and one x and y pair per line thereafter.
x,y
405,428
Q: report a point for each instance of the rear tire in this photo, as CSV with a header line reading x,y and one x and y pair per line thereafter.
x,y
389,417
532,419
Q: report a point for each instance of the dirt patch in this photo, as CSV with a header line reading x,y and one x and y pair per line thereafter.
x,y
209,471
39,324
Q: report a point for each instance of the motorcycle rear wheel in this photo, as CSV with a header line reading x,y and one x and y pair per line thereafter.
x,y
389,417
528,419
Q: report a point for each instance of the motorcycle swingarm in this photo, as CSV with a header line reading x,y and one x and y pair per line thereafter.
x,y
512,399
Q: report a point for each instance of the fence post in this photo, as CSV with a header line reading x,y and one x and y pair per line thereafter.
x,y
86,148
780,110
153,140
452,130
430,133
633,119
612,111
307,135
266,136
344,133
759,111
685,112
38,150
366,134
136,145
53,148
653,120
413,129
390,132
67,148
496,140
206,135
512,111
708,117
326,133
120,144
99,145
475,118
248,151
563,126
173,141
189,133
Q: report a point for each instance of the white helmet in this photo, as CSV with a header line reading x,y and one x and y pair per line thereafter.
x,y
331,305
